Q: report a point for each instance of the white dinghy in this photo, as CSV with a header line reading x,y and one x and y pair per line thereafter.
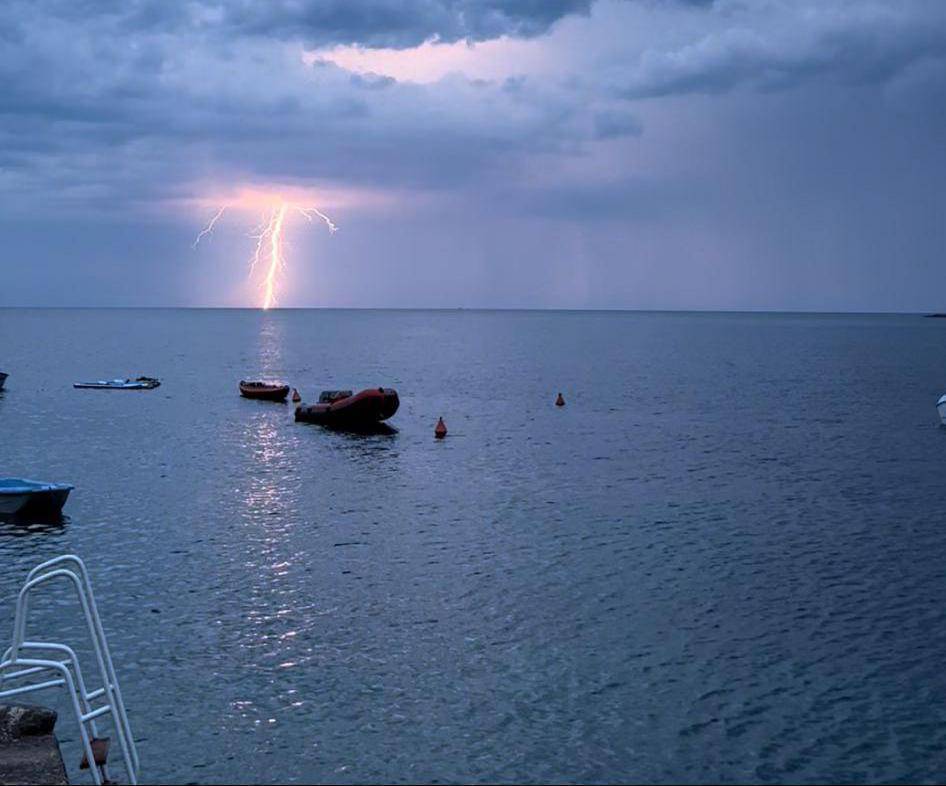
x,y
139,383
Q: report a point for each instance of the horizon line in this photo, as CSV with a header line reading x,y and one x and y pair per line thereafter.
x,y
591,309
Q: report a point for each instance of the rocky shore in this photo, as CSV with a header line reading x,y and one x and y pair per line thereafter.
x,y
29,752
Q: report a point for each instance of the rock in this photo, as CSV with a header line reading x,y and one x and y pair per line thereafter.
x,y
25,720
29,752
32,760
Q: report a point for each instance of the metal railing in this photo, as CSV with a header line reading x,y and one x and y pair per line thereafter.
x,y
17,664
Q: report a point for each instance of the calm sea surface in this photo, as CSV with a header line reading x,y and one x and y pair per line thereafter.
x,y
723,560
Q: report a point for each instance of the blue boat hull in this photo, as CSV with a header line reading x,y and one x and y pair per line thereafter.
x,y
30,498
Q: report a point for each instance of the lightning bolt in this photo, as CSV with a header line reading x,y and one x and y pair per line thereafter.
x,y
308,212
274,231
208,230
262,232
270,242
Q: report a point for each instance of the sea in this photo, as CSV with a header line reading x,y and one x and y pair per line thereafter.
x,y
723,560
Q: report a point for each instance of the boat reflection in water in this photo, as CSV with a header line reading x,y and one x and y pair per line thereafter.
x,y
23,524
370,430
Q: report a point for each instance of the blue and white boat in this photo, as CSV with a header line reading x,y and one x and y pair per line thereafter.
x,y
139,383
30,496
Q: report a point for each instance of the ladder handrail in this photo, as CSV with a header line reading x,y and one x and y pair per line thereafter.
x,y
22,605
72,659
86,712
110,674
110,688
71,690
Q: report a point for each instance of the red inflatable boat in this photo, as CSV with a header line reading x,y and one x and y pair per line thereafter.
x,y
340,409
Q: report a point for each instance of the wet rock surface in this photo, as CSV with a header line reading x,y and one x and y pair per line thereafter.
x,y
29,752
25,720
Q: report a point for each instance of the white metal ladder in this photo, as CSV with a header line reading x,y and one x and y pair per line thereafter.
x,y
17,664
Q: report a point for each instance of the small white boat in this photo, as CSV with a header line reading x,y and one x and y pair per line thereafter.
x,y
30,496
941,408
139,383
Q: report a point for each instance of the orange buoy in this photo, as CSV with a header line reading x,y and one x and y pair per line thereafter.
x,y
560,402
295,396
440,430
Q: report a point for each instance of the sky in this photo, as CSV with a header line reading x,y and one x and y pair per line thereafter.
x,y
640,154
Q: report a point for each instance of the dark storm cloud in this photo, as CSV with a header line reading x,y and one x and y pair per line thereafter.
x,y
394,23
370,23
777,49
657,125
205,87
